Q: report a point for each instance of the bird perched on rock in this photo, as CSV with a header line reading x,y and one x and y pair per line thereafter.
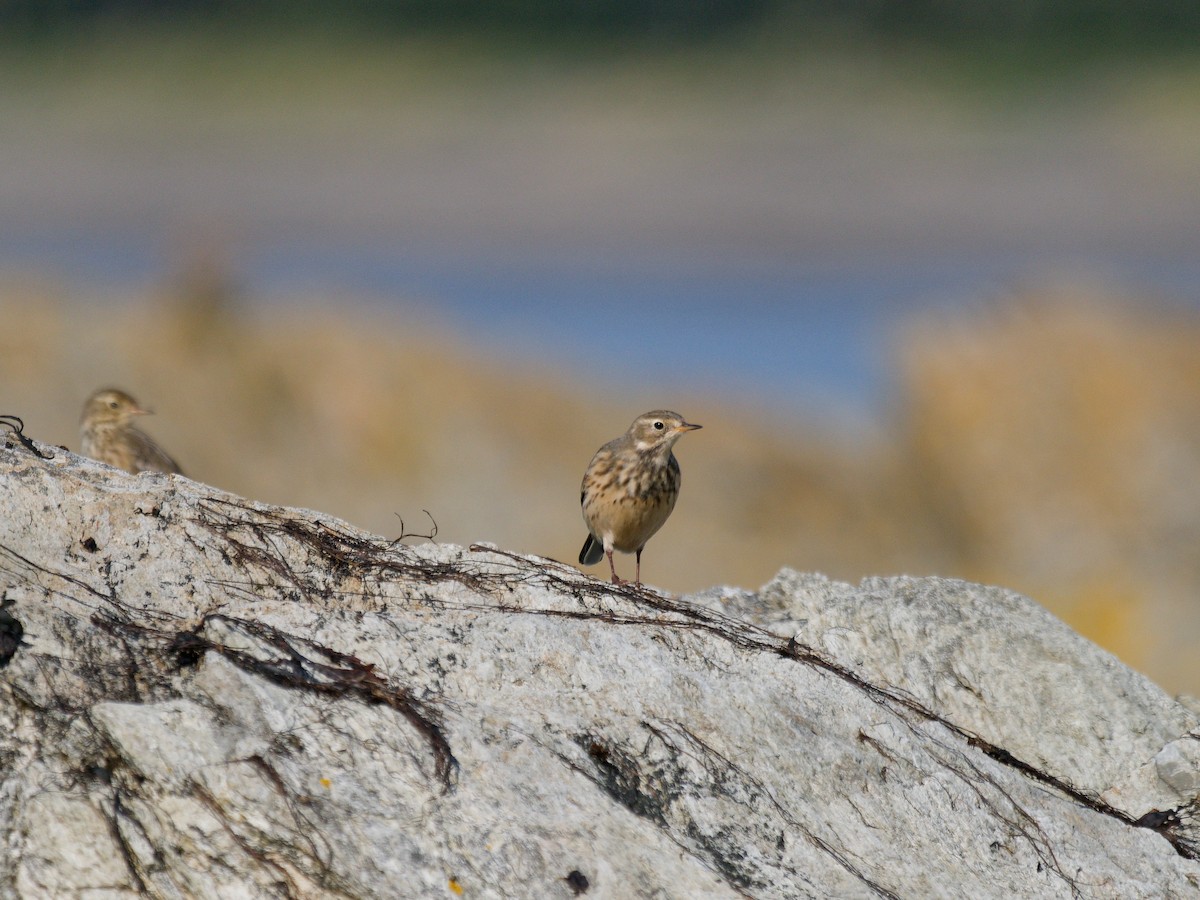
x,y
107,434
630,488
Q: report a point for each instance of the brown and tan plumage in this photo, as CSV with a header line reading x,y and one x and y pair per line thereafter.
x,y
630,488
107,433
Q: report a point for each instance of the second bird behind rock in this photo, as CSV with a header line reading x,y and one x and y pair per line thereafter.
x,y
108,434
630,488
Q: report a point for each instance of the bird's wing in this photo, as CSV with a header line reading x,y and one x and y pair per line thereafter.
x,y
150,456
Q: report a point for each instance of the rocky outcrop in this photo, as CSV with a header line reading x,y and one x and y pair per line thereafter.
x,y
203,696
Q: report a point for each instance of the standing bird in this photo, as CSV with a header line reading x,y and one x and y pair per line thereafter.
x,y
630,487
107,434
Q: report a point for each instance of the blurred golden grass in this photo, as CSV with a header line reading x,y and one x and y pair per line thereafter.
x,y
1052,446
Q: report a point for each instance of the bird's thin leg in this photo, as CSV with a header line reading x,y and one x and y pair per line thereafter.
x,y
615,579
637,576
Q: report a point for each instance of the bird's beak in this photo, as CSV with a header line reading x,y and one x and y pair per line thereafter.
x,y
139,411
688,426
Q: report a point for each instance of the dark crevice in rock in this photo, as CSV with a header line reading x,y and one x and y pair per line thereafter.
x,y
619,773
577,882
11,632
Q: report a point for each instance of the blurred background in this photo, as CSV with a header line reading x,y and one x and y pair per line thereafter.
x,y
927,273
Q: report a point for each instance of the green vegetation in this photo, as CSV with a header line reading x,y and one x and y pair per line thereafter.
x,y
1016,38
1151,22
251,56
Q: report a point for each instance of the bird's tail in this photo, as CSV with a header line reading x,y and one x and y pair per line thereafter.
x,y
592,552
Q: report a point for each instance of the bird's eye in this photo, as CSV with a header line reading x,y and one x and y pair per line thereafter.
x,y
658,426
113,404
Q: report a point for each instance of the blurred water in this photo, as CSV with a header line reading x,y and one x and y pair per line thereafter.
x,y
813,339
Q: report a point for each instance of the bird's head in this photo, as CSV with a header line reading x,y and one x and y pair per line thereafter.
x,y
658,429
110,406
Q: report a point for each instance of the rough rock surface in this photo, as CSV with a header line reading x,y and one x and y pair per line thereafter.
x,y
202,696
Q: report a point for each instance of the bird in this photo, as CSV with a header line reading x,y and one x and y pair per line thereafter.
x,y
630,488
107,433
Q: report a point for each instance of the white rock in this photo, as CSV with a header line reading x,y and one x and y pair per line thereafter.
x,y
218,698
1178,764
